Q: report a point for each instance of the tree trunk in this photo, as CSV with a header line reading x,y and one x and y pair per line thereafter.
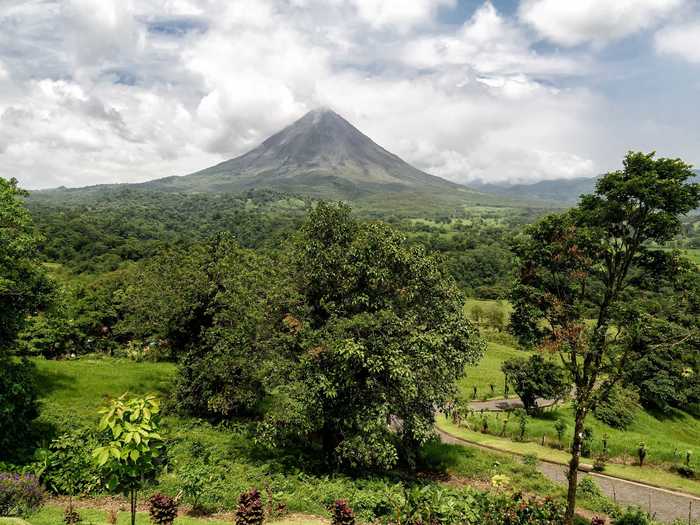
x,y
572,475
133,506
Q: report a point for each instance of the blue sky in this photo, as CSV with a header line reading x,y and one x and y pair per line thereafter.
x,y
99,91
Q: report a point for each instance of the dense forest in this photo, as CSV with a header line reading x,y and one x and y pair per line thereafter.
x,y
335,334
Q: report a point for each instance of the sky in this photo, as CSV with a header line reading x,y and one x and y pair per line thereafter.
x,y
103,91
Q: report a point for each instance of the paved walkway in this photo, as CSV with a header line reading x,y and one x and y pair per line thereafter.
x,y
503,405
665,505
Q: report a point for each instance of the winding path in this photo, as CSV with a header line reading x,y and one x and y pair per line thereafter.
x,y
665,505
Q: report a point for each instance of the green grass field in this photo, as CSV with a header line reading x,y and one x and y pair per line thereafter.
x,y
488,372
71,392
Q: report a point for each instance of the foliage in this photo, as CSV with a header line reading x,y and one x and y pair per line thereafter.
x,y
341,513
162,509
517,509
18,406
66,467
250,508
134,447
20,494
634,517
24,287
618,407
209,304
375,336
535,378
591,262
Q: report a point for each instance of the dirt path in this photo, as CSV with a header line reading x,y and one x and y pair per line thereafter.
x,y
665,505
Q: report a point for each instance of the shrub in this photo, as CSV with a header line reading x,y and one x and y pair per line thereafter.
x,y
634,517
18,406
70,515
536,377
642,453
530,460
597,521
589,488
162,509
560,428
518,510
685,471
341,513
618,408
250,508
586,444
20,494
66,466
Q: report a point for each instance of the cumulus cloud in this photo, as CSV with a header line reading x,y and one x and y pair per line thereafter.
x,y
571,23
682,40
98,91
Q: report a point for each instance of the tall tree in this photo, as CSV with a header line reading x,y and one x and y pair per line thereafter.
x,y
589,263
375,339
24,287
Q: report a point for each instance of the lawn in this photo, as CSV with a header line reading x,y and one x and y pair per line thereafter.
x,y
232,460
75,388
654,475
488,372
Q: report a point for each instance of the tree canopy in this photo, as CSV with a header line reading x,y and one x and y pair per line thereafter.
x,y
375,339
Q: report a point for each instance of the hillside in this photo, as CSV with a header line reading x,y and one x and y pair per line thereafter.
x,y
557,191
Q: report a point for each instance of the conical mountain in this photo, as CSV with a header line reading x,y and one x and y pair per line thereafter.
x,y
321,155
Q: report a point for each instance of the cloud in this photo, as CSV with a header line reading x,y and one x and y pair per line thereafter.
x,y
402,14
98,91
682,40
571,23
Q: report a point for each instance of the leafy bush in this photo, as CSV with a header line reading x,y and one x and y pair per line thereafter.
x,y
432,504
66,467
20,494
589,488
250,508
18,406
685,471
341,513
634,517
162,509
618,408
536,378
516,509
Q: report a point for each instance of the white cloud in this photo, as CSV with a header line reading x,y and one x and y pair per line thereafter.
x,y
682,40
97,91
399,13
571,23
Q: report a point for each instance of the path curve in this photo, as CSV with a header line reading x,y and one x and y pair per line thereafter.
x,y
665,505
504,405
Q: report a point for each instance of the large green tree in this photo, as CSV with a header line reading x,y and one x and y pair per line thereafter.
x,y
24,288
374,341
209,303
591,263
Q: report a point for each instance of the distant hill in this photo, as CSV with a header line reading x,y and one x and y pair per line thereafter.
x,y
557,191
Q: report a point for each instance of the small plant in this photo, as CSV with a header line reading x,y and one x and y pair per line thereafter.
x,y
560,428
70,515
685,471
599,463
250,508
493,389
522,424
484,425
688,456
597,521
605,444
162,509
474,392
341,513
504,428
589,488
20,494
634,517
586,444
530,460
642,453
